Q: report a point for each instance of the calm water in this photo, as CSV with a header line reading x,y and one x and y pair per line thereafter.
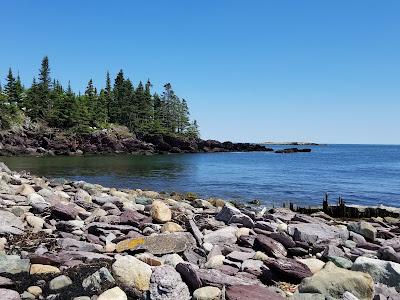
x,y
363,174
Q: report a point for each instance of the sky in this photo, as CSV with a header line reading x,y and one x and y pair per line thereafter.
x,y
251,71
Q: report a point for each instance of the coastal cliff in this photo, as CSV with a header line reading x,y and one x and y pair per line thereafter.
x,y
64,239
39,139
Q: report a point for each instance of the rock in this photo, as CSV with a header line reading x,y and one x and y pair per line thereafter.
x,y
307,296
388,253
25,190
113,294
35,290
5,282
341,262
270,246
219,279
11,224
332,250
189,275
253,292
348,296
171,227
252,266
207,293
333,281
226,235
83,196
364,228
64,211
6,294
243,231
4,168
215,262
131,272
283,238
315,232
160,212
37,202
172,259
166,283
386,293
43,269
159,243
60,282
35,222
289,269
315,265
192,227
13,264
98,281
240,256
385,272
230,214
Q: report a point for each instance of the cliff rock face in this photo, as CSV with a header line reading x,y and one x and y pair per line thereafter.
x,y
39,139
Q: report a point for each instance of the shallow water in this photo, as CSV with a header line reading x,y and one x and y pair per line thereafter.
x,y
362,174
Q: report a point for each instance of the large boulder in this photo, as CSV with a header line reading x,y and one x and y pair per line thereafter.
x,y
160,212
333,281
289,269
130,272
166,283
159,243
316,232
364,228
382,271
270,246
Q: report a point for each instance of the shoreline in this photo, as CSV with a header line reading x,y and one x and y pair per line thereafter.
x,y
74,239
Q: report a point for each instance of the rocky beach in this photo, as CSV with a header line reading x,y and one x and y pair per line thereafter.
x,y
65,239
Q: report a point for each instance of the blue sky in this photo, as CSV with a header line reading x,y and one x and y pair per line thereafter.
x,y
324,71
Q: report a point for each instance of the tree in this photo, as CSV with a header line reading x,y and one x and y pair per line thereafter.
x,y
10,87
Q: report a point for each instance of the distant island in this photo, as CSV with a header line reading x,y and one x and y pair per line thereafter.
x,y
291,143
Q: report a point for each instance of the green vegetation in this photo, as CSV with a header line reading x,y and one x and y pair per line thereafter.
x,y
137,108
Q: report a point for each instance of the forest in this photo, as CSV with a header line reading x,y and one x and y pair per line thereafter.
x,y
118,102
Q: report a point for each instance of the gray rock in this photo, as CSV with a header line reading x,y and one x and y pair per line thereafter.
x,y
331,250
349,296
37,202
113,294
98,281
240,256
13,264
364,228
270,246
253,292
307,296
333,281
341,262
4,168
388,253
225,235
167,284
386,293
60,282
6,294
207,293
252,266
189,275
385,272
9,223
72,244
218,279
227,212
315,232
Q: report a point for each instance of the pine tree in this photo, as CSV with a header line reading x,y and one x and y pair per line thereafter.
x,y
10,87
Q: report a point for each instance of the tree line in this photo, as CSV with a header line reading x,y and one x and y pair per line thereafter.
x,y
120,102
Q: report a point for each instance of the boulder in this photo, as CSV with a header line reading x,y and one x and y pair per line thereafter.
x,y
333,281
269,246
316,232
60,282
382,271
160,212
130,272
166,283
6,294
37,202
230,214
159,243
314,264
207,293
388,253
171,227
253,292
98,281
213,277
289,269
11,224
113,294
226,235
364,228
13,264
189,275
43,269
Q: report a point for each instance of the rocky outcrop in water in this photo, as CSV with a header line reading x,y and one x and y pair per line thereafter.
x,y
61,239
38,139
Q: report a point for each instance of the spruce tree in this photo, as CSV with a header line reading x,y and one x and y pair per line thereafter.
x,y
10,87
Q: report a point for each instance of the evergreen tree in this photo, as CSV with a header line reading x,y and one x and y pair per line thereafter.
x,y
10,87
